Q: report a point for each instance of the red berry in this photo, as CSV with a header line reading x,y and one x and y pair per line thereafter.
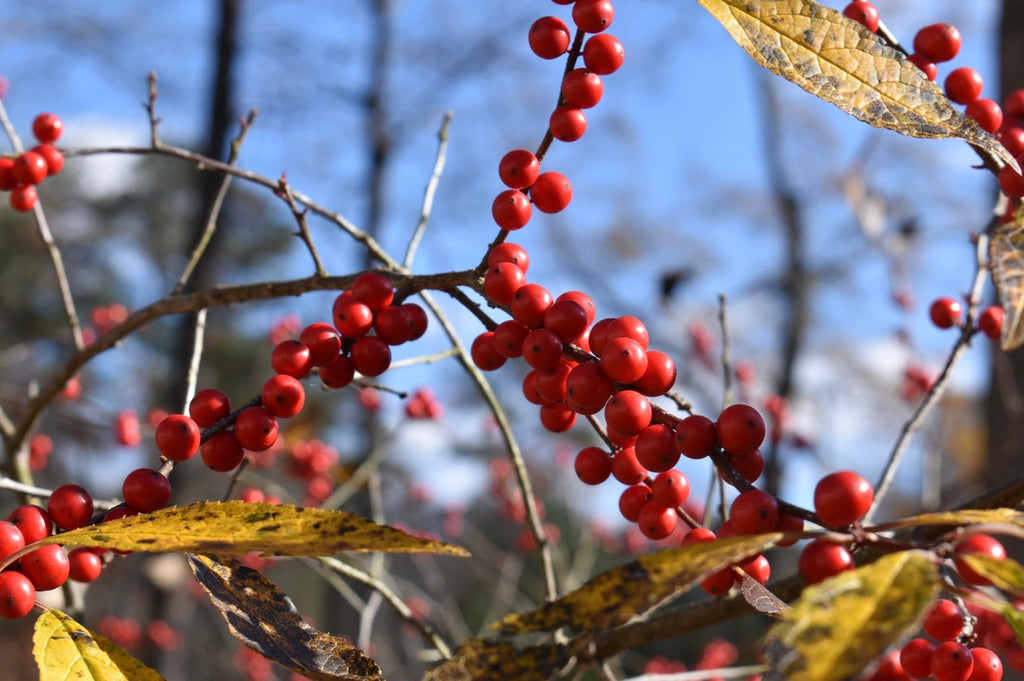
x,y
519,169
623,359
1014,103
30,168
209,406
551,382
484,352
719,583
177,437
593,465
629,327
33,521
1011,182
990,321
11,539
47,567
583,300
47,127
945,312
987,665
628,412
916,658
256,429
963,85
758,568
7,181
952,661
530,303
820,560
283,395
582,89
507,251
1012,138
222,453
84,564
54,159
754,511
842,498
930,69
603,54
146,490
338,373
943,621
587,388
374,289
655,447
557,417
696,436
323,341
70,507
509,337
981,544
419,320
23,198
632,500
938,42
502,281
551,192
291,357
864,13
549,38
740,429
371,356
17,595
352,317
593,16
659,377
567,123
671,488
657,521
749,466
511,209
626,468
542,349
567,319
987,113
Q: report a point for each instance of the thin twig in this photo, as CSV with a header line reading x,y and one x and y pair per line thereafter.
x,y
215,207
960,347
192,375
300,218
154,121
723,321
431,190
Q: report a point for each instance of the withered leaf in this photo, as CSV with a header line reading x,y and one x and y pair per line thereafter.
x,y
482,660
265,619
1006,260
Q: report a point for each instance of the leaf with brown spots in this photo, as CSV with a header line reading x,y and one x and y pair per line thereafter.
x,y
64,649
839,627
1006,261
265,619
967,516
614,597
482,660
237,527
843,63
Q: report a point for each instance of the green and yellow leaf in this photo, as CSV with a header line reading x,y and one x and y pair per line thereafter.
x,y
1006,260
482,660
631,590
265,619
1006,574
841,626
970,516
841,62
64,650
238,527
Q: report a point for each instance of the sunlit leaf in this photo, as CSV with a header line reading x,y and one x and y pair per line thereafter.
x,y
970,516
66,650
238,527
265,619
1006,574
841,62
839,627
620,594
1006,260
482,660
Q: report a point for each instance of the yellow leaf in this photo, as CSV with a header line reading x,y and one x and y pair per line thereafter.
x,y
1006,574
620,594
65,650
969,516
265,619
841,626
238,527
1006,261
841,62
481,660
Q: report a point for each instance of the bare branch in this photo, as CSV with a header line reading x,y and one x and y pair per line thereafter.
x,y
428,195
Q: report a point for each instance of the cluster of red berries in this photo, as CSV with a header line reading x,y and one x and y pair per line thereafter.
x,y
940,43
948,658
582,88
20,175
947,313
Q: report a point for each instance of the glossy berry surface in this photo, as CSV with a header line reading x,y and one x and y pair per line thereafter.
x,y
916,658
509,252
374,289
981,544
593,465
990,321
593,16
657,521
754,511
938,42
952,661
323,341
30,168
863,13
17,595
208,406
70,507
485,353
84,564
633,499
511,209
945,312
33,522
256,429
551,193
549,38
47,127
582,88
1011,182
820,560
371,356
23,198
740,429
987,113
146,490
47,567
696,436
222,453
842,498
177,437
283,396
987,665
291,357
603,54
943,621
671,488
518,169
567,123
963,85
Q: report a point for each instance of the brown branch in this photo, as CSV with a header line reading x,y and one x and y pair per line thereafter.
x,y
300,218
154,121
431,190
